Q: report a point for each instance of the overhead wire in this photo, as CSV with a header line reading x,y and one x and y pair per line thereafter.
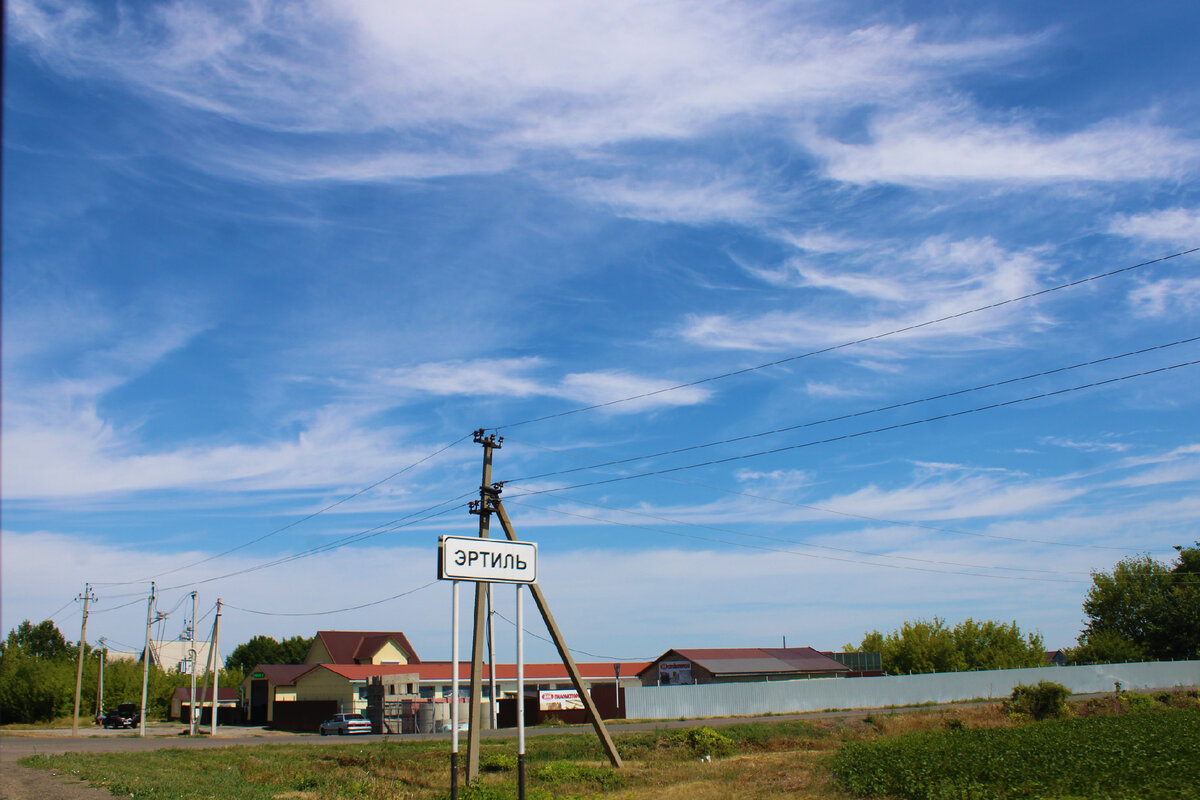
x,y
572,649
797,552
839,512
61,608
857,434
307,517
765,537
331,611
306,553
844,345
842,417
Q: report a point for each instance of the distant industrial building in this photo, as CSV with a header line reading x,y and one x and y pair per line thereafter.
x,y
740,664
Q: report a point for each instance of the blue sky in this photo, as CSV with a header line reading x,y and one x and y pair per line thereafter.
x,y
260,256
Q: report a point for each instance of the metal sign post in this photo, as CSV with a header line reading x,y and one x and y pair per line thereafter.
x,y
454,692
520,697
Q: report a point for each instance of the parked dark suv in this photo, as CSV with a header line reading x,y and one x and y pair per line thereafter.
x,y
126,716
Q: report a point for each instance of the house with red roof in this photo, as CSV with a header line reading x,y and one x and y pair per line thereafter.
x,y
361,647
340,665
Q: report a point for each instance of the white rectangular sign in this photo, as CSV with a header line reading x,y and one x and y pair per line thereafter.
x,y
464,558
559,700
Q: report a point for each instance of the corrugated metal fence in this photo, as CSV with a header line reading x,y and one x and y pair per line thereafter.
x,y
777,697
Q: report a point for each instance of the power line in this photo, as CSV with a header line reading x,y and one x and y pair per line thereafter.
x,y
849,514
839,418
61,609
856,434
118,608
331,611
844,345
572,649
750,546
316,513
303,554
809,544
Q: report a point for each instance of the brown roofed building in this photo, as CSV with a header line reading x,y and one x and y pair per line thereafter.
x,y
361,647
739,664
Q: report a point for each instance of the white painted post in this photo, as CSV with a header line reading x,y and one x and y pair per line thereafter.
x,y
520,696
454,692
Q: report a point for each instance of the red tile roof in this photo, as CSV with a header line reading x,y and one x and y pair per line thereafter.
x,y
442,671
281,674
345,647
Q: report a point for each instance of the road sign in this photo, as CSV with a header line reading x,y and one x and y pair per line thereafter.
x,y
467,558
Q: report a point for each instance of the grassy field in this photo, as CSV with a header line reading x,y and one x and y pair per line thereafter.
x,y
1147,751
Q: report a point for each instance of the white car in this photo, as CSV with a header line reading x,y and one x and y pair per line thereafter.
x,y
342,724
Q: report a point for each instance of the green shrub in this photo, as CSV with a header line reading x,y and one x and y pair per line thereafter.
x,y
1043,700
498,762
1138,702
704,741
560,772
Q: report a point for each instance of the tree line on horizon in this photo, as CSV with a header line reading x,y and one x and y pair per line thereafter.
x,y
1141,610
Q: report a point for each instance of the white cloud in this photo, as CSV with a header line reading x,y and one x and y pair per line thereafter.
x,y
512,378
81,454
495,78
1180,226
820,389
1087,447
931,145
937,278
753,597
685,200
1173,297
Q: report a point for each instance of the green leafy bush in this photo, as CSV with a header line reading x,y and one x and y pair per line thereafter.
x,y
1043,700
566,772
498,762
704,741
1138,702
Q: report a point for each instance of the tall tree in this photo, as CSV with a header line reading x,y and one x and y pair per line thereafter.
x,y
922,646
266,650
1143,609
43,640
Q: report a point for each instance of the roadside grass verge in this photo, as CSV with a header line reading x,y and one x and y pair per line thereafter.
x,y
770,760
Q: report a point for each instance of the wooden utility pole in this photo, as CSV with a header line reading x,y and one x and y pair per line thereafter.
x,y
192,701
216,667
146,661
560,643
483,507
86,596
100,678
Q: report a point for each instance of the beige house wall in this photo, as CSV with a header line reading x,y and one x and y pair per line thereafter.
x,y
322,684
389,654
317,654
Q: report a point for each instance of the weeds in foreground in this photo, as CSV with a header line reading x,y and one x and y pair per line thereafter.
x,y
765,761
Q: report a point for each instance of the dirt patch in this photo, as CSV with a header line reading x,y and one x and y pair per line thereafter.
x,y
23,783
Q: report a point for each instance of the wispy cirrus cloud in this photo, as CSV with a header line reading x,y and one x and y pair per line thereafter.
x,y
1180,226
937,144
518,378
492,80
937,278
